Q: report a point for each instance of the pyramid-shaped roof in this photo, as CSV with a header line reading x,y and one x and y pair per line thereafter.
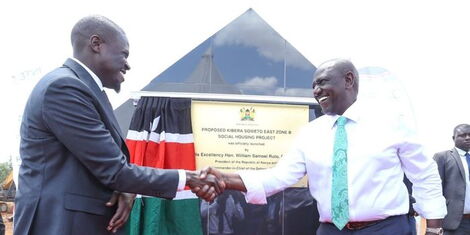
x,y
245,57
205,78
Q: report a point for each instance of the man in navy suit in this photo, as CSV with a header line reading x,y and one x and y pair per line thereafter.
x,y
74,158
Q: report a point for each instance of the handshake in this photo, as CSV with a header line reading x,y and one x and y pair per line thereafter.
x,y
206,184
209,183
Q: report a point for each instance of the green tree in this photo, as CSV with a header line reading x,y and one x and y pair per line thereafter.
x,y
5,169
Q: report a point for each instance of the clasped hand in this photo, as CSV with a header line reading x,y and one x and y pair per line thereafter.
x,y
206,184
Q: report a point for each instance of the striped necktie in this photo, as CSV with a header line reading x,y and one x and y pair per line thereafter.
x,y
339,192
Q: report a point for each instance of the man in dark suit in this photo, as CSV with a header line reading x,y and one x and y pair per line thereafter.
x,y
74,158
453,167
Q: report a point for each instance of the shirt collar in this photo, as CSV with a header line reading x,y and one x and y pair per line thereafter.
x,y
93,75
460,151
352,113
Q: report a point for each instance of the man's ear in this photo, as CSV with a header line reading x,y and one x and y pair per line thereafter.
x,y
95,43
350,79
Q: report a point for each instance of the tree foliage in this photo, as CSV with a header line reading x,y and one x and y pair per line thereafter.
x,y
5,169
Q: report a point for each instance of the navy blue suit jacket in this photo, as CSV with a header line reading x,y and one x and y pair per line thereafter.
x,y
73,157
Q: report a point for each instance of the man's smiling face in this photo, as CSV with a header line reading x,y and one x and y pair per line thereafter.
x,y
329,91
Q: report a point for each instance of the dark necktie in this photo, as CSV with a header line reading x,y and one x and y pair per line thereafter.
x,y
339,186
467,156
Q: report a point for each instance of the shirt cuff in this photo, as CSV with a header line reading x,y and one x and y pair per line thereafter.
x,y
434,209
182,180
255,193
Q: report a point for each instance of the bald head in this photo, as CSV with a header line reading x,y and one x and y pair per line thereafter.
x,y
335,86
461,137
102,46
343,67
461,127
88,26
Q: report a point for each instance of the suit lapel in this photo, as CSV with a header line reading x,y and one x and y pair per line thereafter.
x,y
110,113
109,109
457,159
103,101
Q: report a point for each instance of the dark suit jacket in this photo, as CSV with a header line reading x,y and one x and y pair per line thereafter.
x,y
453,186
74,157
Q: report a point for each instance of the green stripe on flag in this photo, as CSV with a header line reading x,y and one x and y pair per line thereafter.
x,y
155,216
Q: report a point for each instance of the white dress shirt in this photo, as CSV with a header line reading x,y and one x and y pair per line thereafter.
x,y
380,150
181,173
466,208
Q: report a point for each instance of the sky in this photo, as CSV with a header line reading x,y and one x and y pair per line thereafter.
x,y
424,44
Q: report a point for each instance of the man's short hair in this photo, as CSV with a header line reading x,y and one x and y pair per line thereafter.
x,y
93,25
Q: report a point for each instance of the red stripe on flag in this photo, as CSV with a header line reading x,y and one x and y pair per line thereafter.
x,y
180,156
137,151
162,155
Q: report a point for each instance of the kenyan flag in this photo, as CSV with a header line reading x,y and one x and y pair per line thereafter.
x,y
160,136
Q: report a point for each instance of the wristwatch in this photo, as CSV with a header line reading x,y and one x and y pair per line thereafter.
x,y
438,231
